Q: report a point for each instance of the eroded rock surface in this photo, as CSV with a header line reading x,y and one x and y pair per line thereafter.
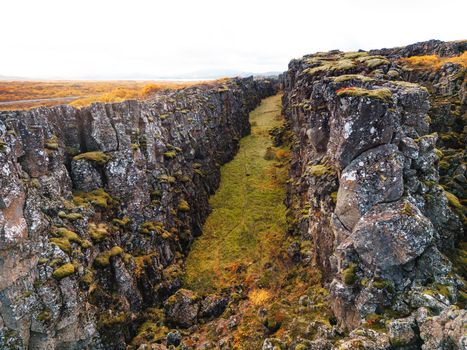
x,y
98,207
370,136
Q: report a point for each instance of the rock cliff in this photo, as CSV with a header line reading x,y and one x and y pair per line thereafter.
x,y
98,207
369,191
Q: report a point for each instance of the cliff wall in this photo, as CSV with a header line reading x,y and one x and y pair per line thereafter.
x,y
366,200
98,207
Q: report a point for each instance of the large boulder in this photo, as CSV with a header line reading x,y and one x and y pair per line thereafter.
x,y
181,309
445,331
358,124
373,177
85,176
392,234
212,306
101,135
403,332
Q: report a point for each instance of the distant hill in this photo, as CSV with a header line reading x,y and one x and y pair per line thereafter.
x,y
8,77
196,75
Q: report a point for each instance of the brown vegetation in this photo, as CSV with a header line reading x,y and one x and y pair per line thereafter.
x,y
433,61
79,93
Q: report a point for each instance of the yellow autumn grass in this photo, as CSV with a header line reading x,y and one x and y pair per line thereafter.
x,y
259,297
433,61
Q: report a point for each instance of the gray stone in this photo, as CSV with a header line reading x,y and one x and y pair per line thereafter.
x,y
373,177
392,234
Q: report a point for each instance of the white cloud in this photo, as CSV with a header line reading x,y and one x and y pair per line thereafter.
x,y
73,39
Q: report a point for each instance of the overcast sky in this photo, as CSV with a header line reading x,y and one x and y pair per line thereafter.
x,y
100,38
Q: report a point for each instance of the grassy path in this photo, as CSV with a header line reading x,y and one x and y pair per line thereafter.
x,y
248,218
244,244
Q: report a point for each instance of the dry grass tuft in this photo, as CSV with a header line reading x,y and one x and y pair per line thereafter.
x,y
434,62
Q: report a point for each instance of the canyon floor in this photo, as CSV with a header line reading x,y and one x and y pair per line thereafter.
x,y
243,248
321,210
248,220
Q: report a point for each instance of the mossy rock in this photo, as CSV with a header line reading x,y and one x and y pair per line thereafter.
x,y
348,77
156,227
375,322
381,283
96,197
170,154
320,170
122,222
223,88
69,216
98,157
334,197
150,331
64,239
383,94
44,315
64,271
98,232
85,244
87,278
183,206
349,275
453,201
355,54
52,143
330,65
408,210
103,259
63,243
167,179
110,319
35,183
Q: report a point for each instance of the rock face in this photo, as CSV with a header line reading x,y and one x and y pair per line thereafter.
x,y
366,168
98,207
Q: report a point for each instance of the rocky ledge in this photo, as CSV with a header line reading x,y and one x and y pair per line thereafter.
x,y
367,203
98,207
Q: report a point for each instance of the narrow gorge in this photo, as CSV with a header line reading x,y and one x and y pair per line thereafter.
x,y
323,209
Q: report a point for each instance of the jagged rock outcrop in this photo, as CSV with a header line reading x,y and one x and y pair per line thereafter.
x,y
99,205
430,47
365,194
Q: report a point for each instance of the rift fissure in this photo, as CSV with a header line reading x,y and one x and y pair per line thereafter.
x,y
323,209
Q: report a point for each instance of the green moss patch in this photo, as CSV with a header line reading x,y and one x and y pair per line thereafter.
x,y
155,227
103,259
349,275
183,206
320,170
70,216
381,94
96,197
348,77
122,222
63,238
248,216
355,54
331,66
170,154
453,201
98,157
64,271
52,143
98,232
373,61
